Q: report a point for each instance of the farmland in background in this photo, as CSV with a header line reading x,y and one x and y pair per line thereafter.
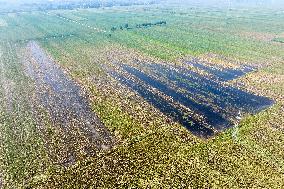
x,y
110,51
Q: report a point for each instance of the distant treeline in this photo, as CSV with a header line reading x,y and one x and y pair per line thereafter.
x,y
92,4
54,5
143,25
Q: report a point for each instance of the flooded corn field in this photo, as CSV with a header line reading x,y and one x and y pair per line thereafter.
x,y
141,94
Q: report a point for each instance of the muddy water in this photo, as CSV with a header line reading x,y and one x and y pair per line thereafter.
x,y
217,104
64,99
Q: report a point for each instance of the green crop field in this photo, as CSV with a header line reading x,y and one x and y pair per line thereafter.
x,y
127,66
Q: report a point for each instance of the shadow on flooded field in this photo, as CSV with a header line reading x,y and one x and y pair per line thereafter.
x,y
175,89
67,105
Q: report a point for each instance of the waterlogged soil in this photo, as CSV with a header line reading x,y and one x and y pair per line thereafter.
x,y
204,104
67,105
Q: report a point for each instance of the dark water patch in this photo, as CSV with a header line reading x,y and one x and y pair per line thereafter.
x,y
190,85
218,104
165,107
225,97
64,99
223,74
212,117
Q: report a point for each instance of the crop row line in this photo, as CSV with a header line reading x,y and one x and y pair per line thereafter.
x,y
76,22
